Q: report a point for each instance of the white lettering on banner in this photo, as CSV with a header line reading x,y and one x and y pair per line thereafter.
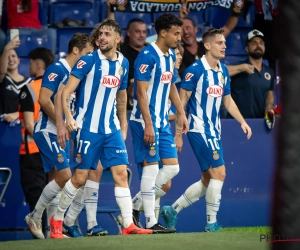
x,y
110,81
215,91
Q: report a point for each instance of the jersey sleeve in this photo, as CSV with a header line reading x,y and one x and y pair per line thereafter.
x,y
190,77
52,77
26,100
83,66
143,66
226,76
124,79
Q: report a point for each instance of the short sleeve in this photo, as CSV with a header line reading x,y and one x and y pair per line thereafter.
x,y
226,79
83,66
190,77
143,66
124,79
52,77
26,100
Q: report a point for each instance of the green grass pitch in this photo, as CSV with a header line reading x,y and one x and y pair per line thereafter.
x,y
227,239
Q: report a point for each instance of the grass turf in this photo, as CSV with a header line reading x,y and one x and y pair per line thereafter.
x,y
229,238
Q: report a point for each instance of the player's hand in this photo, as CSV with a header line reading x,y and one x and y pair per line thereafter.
x,y
248,68
11,117
71,124
149,136
247,130
179,143
14,43
183,12
124,129
184,124
62,135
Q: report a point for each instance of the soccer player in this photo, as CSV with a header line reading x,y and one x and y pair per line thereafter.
x,y
101,80
205,85
55,160
152,137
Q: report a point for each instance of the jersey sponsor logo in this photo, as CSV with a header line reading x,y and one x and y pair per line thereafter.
x,y
80,64
166,77
188,76
215,91
52,76
110,81
143,68
267,76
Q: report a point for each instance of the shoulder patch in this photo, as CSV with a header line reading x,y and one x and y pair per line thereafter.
x,y
188,76
80,64
143,68
52,76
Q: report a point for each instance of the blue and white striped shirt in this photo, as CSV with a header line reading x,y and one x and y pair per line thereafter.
x,y
208,88
100,79
156,68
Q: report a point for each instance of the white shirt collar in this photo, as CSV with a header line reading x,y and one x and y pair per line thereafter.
x,y
206,65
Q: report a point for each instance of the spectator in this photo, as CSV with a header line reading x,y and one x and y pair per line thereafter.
x,y
33,177
24,15
191,49
252,81
134,41
11,83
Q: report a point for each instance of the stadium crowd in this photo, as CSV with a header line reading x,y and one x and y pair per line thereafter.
x,y
86,101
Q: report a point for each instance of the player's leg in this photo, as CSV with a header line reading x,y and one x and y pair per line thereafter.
x,y
51,155
87,150
114,155
91,191
165,188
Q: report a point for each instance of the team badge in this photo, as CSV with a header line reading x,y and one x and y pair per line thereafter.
x,y
152,151
222,80
143,68
188,76
238,5
80,64
216,156
121,72
121,4
267,76
78,159
51,77
60,158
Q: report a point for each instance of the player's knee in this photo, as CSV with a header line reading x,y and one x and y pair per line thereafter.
x,y
120,176
171,170
63,176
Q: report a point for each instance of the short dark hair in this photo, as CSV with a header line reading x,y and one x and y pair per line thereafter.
x,y
190,19
78,40
43,54
211,33
166,21
131,21
108,22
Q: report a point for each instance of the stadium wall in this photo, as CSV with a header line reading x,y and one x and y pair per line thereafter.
x,y
246,195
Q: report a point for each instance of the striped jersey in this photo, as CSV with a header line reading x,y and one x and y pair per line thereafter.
x,y
208,88
154,67
55,75
100,79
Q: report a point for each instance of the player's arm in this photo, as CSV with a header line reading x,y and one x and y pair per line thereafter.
x,y
235,113
181,121
70,87
62,132
121,111
46,103
110,13
143,101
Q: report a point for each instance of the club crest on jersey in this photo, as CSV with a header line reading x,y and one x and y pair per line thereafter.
x,y
143,68
166,77
78,159
60,158
267,76
121,72
51,77
222,80
152,151
110,81
188,76
80,64
215,91
216,156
